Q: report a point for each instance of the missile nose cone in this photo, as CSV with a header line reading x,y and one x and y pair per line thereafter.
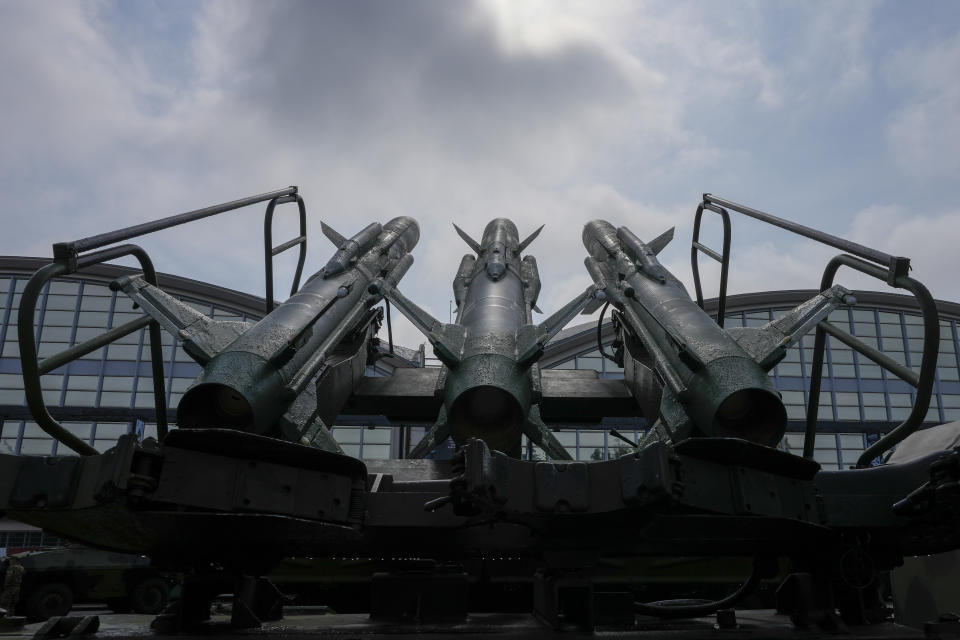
x,y
501,230
600,239
406,229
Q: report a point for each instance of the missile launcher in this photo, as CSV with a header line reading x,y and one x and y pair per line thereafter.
x,y
692,377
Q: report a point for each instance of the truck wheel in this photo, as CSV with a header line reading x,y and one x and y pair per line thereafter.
x,y
48,600
150,596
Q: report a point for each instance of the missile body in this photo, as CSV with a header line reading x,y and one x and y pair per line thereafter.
x,y
254,376
490,382
691,376
488,394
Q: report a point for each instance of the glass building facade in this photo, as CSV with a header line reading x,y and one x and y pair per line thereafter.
x,y
110,392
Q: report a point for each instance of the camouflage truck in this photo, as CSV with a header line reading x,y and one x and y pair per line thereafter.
x,y
58,578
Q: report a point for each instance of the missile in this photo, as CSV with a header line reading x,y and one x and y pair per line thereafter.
x,y
490,381
258,377
691,377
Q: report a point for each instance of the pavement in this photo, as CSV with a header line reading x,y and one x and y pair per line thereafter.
x,y
753,625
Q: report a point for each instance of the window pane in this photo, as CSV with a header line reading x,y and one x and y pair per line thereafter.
x,y
80,398
115,399
870,371
117,383
92,319
92,303
377,436
108,430
58,318
36,447
828,456
62,303
847,399
873,399
590,363
864,329
789,369
347,434
844,371
901,400
376,451
851,440
591,438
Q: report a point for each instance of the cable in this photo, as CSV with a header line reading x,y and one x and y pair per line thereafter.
x,y
600,331
697,608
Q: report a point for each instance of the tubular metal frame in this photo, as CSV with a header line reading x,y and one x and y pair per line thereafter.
x,y
723,258
269,251
923,382
69,257
894,270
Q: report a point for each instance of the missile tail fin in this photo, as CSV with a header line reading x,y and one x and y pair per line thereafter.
x,y
530,238
434,437
531,339
473,244
768,344
202,336
540,434
592,306
657,244
332,235
447,339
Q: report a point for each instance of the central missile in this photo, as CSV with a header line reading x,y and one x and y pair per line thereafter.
x,y
490,382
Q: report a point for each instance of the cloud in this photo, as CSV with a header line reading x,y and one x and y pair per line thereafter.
x,y
799,264
548,113
924,133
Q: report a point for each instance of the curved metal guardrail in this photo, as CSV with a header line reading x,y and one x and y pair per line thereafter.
x,y
71,257
893,270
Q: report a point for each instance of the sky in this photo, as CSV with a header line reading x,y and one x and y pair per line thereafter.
x,y
841,115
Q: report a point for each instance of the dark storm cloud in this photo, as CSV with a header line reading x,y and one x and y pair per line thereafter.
x,y
436,72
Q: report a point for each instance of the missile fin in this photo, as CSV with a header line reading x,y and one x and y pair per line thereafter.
x,y
300,423
540,434
531,339
592,306
447,339
768,344
473,244
537,309
334,237
657,244
434,437
203,337
530,238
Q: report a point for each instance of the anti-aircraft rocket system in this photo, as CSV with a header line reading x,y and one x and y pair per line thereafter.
x,y
690,376
258,377
490,385
234,489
